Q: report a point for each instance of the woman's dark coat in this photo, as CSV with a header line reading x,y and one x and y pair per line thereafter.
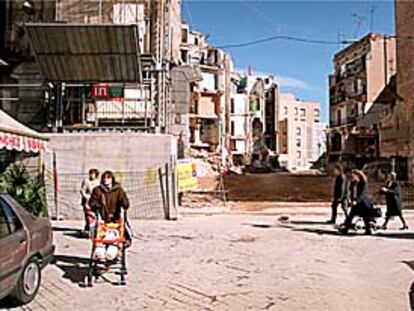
x,y
393,199
358,193
108,201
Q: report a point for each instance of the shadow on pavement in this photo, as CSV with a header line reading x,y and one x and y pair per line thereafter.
x,y
307,222
411,291
259,225
74,268
324,232
76,234
7,303
396,235
65,229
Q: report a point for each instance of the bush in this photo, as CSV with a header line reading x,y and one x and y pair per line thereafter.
x,y
28,191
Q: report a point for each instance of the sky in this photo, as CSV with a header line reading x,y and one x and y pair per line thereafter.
x,y
301,68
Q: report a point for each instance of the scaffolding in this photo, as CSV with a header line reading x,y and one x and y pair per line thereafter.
x,y
153,19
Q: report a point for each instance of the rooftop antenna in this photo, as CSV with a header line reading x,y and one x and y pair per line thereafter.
x,y
372,12
341,37
358,19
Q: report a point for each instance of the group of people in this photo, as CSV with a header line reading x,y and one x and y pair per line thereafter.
x,y
350,192
103,195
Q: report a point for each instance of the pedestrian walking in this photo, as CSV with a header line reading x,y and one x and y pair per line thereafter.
x,y
360,203
87,187
393,198
339,193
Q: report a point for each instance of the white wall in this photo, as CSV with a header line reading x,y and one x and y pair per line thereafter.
x,y
209,81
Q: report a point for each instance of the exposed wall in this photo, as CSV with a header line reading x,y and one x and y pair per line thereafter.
x,y
181,77
404,110
135,158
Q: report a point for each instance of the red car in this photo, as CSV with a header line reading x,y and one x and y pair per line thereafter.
x,y
26,246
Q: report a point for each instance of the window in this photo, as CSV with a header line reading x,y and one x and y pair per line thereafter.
x,y
232,105
317,115
338,117
298,131
298,142
184,35
303,112
296,111
196,41
184,56
285,111
232,128
4,227
298,154
9,223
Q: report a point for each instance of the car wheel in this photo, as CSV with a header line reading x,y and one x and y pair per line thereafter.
x,y
28,283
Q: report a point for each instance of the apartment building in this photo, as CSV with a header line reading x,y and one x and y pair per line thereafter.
x,y
301,132
396,123
361,72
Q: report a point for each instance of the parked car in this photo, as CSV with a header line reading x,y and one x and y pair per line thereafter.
x,y
26,246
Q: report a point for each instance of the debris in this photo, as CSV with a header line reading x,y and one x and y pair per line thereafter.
x,y
283,218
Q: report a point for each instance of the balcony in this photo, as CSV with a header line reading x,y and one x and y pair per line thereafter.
x,y
353,68
345,121
336,97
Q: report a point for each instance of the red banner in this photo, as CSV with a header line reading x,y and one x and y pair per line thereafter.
x,y
21,143
100,90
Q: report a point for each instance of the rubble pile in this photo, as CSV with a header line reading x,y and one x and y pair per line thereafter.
x,y
207,169
201,200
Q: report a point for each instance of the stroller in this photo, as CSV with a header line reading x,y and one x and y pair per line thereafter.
x,y
359,225
108,249
374,213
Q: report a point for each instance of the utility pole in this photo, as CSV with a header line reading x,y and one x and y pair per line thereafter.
x,y
385,61
372,12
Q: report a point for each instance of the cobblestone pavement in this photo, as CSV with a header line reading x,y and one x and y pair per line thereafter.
x,y
237,262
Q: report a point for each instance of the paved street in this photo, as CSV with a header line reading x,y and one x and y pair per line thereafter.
x,y
238,262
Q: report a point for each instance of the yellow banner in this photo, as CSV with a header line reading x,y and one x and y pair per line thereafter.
x,y
187,175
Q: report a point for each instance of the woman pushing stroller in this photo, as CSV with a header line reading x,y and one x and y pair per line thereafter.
x,y
361,205
111,236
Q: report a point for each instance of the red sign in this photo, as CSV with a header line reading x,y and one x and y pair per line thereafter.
x,y
21,143
100,90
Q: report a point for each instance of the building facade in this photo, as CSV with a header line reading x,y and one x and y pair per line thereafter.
x,y
396,123
301,132
254,104
362,71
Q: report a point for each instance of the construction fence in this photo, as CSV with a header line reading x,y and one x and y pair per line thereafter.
x,y
152,193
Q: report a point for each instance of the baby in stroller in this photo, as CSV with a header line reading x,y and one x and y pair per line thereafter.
x,y
108,239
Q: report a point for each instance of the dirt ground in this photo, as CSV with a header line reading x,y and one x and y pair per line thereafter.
x,y
282,187
238,262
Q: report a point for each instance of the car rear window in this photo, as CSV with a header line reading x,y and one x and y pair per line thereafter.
x,y
4,226
12,221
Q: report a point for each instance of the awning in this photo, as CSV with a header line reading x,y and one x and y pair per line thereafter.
x,y
86,53
16,136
